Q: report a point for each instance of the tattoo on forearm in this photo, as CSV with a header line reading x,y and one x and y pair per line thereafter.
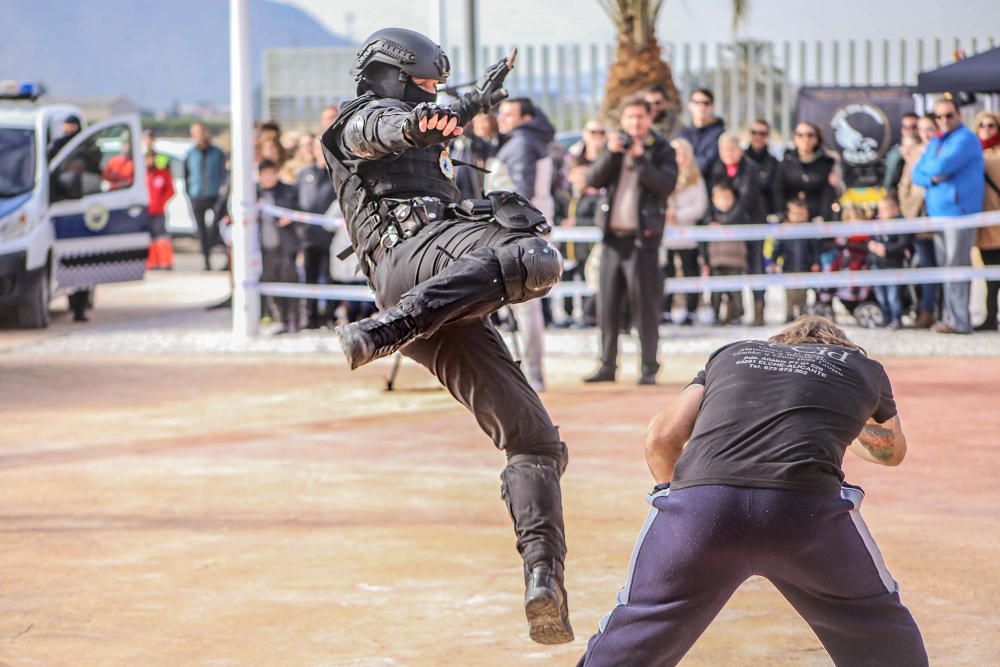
x,y
878,440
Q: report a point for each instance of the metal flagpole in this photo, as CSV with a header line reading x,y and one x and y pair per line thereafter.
x,y
246,266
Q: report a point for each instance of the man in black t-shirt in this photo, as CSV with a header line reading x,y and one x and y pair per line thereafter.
x,y
758,490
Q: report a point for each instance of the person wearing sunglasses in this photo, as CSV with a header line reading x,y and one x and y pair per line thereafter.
x,y
951,172
664,117
894,158
704,130
758,151
804,173
988,238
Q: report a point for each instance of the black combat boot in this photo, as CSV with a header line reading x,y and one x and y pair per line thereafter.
x,y
378,336
531,491
545,603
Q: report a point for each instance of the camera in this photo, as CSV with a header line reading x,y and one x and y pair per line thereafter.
x,y
626,140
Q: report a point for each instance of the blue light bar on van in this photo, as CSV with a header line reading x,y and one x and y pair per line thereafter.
x,y
20,90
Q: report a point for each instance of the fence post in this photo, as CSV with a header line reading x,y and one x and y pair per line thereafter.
x,y
734,88
868,62
546,82
720,94
902,62
786,91
246,299
595,81
751,81
836,62
561,86
685,82
819,63
768,84
885,62
702,66
802,63
577,56
852,61
529,60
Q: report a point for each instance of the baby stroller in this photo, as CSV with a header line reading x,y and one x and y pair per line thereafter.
x,y
848,254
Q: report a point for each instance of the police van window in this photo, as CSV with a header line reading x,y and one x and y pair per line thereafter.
x,y
102,163
17,161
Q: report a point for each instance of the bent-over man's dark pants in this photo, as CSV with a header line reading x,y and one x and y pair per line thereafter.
x,y
700,543
452,266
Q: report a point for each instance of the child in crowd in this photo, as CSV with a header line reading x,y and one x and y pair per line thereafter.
x,y
726,258
888,251
160,184
797,256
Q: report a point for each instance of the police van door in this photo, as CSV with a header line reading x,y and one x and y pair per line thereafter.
x,y
98,206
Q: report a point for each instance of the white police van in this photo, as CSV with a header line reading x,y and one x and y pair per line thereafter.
x,y
72,220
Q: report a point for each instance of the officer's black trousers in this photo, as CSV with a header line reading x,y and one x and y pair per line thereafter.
x,y
451,272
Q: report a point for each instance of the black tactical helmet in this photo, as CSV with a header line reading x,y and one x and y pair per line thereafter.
x,y
391,56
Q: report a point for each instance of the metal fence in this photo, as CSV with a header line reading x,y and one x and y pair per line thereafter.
x,y
750,79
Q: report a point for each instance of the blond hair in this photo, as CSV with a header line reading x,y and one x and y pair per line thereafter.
x,y
995,117
729,137
690,175
813,329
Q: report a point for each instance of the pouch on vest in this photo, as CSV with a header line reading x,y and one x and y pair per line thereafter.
x,y
515,212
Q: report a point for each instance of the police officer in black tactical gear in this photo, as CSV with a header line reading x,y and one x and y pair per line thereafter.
x,y
439,266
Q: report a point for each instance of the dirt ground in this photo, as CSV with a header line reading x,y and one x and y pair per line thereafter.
x,y
252,510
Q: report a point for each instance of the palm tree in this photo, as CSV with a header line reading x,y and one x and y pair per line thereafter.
x,y
638,62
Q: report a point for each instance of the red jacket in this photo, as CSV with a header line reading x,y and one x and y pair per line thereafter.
x,y
160,183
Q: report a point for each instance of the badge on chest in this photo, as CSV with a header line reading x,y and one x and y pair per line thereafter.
x,y
446,165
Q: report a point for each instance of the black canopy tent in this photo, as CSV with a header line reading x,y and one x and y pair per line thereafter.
x,y
976,74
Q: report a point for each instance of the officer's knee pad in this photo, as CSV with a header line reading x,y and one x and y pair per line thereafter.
x,y
530,267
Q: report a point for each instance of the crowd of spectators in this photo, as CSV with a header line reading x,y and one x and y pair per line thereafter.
x,y
625,178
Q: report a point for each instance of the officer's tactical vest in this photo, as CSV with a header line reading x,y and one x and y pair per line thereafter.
x,y
412,173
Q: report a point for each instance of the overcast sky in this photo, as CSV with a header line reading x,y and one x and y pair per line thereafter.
x,y
565,21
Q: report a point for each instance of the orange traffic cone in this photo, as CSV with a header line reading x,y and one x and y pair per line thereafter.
x,y
153,259
165,253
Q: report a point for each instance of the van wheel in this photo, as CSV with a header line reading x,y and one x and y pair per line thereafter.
x,y
35,313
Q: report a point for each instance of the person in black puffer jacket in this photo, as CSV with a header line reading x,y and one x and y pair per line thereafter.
x,y
804,173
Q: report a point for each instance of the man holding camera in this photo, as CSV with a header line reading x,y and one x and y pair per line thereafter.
x,y
638,172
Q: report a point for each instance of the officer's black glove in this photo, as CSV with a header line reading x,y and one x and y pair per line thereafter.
x,y
489,90
417,130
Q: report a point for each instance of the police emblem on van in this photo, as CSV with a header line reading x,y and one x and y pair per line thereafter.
x,y
96,217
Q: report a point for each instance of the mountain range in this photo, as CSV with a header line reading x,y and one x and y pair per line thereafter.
x,y
154,52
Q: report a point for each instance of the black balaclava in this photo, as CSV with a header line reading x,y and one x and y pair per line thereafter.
x,y
415,94
388,81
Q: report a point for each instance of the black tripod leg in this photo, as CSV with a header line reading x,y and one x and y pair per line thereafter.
x,y
514,340
391,380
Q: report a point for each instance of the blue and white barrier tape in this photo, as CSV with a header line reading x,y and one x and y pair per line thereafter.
x,y
809,230
833,280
